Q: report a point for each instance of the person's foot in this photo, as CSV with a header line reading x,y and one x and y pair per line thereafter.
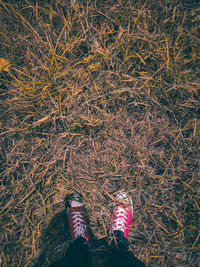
x,y
77,219
122,214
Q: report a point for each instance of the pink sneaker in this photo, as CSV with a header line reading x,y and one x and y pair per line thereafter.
x,y
77,219
122,214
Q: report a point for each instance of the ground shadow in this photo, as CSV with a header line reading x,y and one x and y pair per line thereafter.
x,y
54,240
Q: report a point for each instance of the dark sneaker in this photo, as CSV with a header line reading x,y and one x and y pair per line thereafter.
x,y
122,214
77,219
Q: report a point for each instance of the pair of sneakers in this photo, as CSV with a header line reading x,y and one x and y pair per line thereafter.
x,y
121,216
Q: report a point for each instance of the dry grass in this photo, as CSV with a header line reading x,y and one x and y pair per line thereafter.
x,y
100,97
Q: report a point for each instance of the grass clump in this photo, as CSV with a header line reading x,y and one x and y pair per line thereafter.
x,y
100,97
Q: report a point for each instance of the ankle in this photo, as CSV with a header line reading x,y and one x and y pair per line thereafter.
x,y
120,241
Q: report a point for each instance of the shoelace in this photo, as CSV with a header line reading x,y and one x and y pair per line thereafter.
x,y
79,226
119,223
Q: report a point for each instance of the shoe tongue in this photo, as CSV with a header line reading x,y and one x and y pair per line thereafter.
x,y
75,203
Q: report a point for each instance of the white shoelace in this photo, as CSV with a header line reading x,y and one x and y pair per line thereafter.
x,y
79,226
119,222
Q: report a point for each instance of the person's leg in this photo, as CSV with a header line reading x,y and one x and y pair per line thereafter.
x,y
120,255
78,254
119,229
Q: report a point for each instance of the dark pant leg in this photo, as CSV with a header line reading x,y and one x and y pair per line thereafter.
x,y
120,256
78,254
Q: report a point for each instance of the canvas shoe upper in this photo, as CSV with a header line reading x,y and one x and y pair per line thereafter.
x,y
77,219
122,214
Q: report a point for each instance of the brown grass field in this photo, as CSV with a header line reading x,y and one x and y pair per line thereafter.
x,y
98,97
